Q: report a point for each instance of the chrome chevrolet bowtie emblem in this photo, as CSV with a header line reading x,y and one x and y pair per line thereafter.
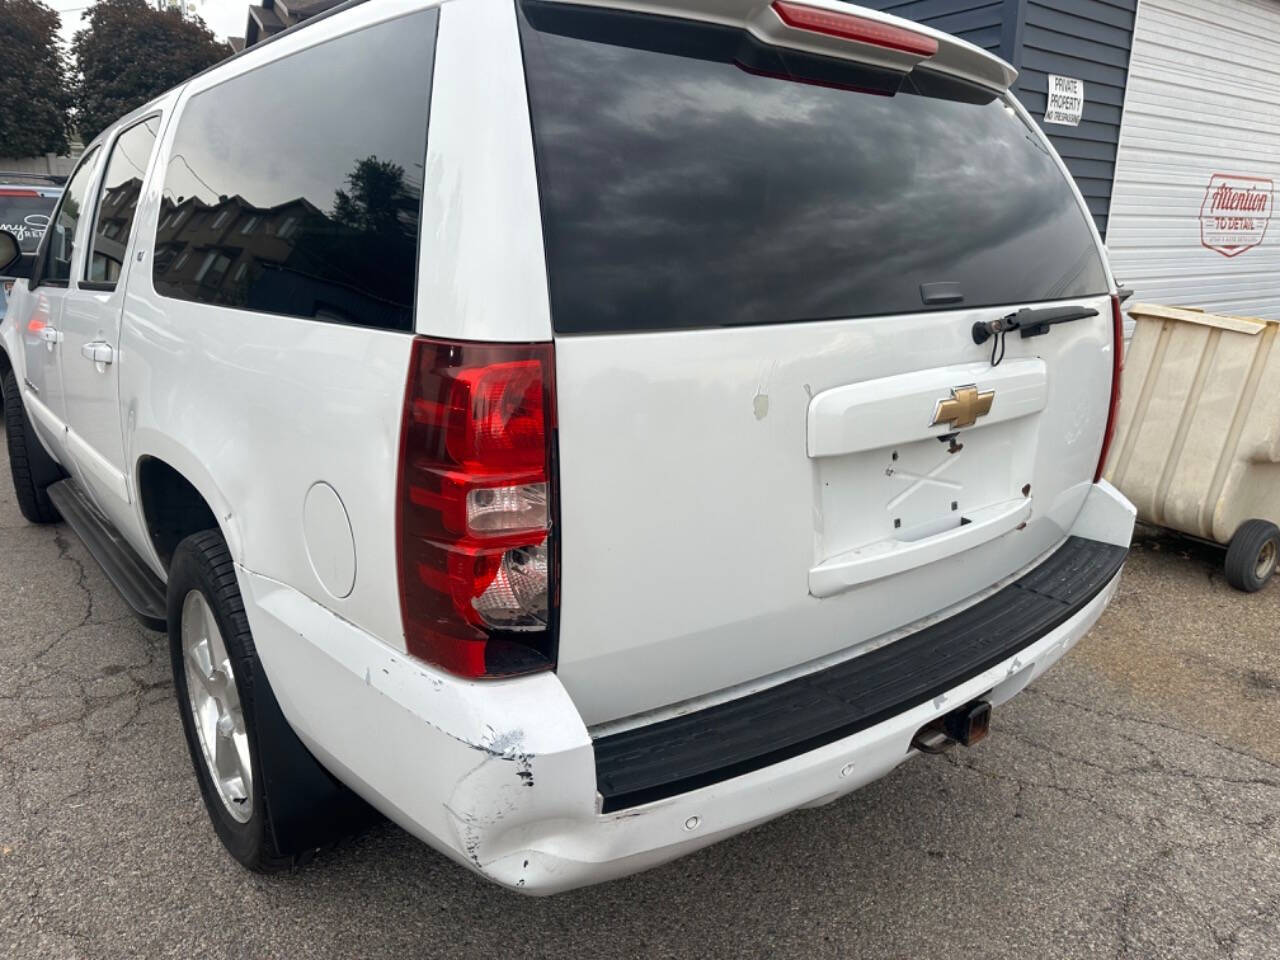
x,y
963,407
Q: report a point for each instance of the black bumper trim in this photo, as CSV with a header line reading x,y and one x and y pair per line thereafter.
x,y
729,739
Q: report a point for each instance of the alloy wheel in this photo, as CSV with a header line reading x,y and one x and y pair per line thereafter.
x,y
214,701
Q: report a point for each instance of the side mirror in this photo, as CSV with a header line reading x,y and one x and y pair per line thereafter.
x,y
12,262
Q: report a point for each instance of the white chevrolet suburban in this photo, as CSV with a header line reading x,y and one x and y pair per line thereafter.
x,y
578,430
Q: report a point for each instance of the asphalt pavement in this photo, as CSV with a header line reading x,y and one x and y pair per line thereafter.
x,y
1127,805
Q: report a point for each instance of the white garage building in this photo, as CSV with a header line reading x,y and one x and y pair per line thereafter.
x,y
1198,158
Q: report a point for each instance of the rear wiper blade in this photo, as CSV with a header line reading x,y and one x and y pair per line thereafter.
x,y
1031,321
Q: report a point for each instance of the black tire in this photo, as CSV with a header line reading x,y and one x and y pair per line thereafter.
x,y
1253,555
298,808
32,468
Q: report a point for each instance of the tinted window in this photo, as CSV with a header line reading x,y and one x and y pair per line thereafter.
x,y
692,177
296,188
118,199
62,233
25,214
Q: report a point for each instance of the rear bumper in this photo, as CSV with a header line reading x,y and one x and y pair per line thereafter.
x,y
684,752
502,776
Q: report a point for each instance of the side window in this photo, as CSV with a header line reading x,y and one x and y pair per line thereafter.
x,y
118,200
60,240
296,188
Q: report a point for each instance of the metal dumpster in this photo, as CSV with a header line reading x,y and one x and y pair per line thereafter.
x,y
1197,444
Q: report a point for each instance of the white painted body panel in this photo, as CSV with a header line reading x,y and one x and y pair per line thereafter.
x,y
955,56
886,410
90,390
252,409
703,580
482,273
669,424
35,341
31,323
693,470
501,777
1200,101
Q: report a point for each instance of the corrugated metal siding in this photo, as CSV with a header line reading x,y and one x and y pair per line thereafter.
x,y
1202,101
1088,39
978,21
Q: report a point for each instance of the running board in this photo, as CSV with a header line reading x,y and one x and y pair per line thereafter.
x,y
142,590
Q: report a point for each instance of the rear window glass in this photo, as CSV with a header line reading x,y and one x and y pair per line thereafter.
x,y
296,188
692,177
25,216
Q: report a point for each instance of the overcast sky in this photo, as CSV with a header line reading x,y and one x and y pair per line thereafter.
x,y
226,18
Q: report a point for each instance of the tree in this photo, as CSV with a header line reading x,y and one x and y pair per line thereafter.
x,y
131,52
380,215
378,201
34,95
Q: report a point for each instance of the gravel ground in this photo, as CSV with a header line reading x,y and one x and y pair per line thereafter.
x,y
1127,805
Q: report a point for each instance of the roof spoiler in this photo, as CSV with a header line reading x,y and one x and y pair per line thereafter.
x,y
834,29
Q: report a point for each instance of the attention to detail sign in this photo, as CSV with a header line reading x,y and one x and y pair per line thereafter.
x,y
1235,213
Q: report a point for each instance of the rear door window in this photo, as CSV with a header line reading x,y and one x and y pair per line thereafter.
x,y
693,177
118,199
296,188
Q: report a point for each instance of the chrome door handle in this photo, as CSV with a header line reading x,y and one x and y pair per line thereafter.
x,y
50,335
99,351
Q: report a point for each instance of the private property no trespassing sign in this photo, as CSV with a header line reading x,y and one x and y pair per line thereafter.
x,y
1066,101
1235,213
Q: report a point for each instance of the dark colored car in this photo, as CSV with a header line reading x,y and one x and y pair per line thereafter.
x,y
26,201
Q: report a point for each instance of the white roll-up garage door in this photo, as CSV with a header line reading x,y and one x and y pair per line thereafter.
x,y
1199,158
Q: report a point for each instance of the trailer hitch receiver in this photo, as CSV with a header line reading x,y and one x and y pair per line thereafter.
x,y
965,725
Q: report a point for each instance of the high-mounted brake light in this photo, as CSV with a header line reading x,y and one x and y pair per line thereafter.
x,y
475,532
848,26
1117,369
10,192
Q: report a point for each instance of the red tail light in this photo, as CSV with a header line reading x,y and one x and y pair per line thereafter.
x,y
1117,369
476,537
848,26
